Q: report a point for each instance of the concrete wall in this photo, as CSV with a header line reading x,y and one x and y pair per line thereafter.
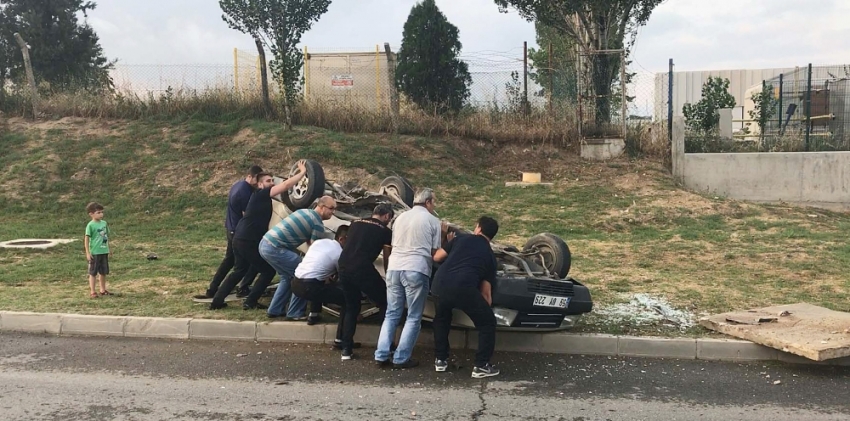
x,y
820,179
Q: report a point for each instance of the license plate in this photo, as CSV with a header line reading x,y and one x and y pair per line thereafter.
x,y
541,300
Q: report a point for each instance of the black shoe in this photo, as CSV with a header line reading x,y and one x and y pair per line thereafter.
x,y
215,306
243,292
407,364
294,319
383,364
202,296
274,316
338,345
311,320
488,370
256,306
440,365
347,355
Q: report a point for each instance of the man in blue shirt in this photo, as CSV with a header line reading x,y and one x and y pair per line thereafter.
x,y
464,282
237,202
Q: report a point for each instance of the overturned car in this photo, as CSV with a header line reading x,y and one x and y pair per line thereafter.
x,y
532,289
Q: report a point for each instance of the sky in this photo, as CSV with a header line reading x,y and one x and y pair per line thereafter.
x,y
697,34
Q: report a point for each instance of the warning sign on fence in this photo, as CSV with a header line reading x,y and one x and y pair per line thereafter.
x,y
342,81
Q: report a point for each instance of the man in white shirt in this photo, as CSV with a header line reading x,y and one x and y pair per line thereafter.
x,y
314,274
417,235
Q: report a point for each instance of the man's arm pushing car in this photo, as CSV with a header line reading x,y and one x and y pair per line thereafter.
x,y
291,181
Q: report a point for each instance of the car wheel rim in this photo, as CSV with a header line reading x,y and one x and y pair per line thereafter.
x,y
394,190
546,258
299,190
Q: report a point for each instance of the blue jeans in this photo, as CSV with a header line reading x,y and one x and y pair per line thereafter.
x,y
403,286
284,261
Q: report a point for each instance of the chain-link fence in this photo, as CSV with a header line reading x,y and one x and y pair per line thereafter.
x,y
806,109
505,85
363,79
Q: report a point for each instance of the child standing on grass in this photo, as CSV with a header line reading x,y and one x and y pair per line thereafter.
x,y
97,248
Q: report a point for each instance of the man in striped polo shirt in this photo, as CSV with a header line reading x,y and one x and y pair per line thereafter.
x,y
279,248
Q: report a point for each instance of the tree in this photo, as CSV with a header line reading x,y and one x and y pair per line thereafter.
x,y
595,26
64,52
562,73
429,71
765,106
704,117
278,25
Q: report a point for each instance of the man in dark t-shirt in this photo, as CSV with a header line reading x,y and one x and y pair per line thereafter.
x,y
463,281
246,240
237,201
357,273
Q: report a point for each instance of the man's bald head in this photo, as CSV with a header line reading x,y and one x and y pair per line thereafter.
x,y
326,207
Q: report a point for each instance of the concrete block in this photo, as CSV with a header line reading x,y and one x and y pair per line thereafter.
x,y
156,327
602,149
366,334
222,330
74,324
733,350
30,322
568,343
290,332
510,341
682,348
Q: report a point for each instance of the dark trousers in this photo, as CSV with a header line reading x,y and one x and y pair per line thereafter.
x,y
471,302
224,268
318,292
354,285
246,257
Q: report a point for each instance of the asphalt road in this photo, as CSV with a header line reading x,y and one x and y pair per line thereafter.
x,y
62,378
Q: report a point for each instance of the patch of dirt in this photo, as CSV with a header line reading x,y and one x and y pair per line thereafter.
x,y
246,136
76,125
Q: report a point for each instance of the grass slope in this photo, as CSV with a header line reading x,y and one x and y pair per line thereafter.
x,y
164,185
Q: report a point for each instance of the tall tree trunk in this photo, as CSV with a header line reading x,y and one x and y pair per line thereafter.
x,y
602,81
287,111
264,76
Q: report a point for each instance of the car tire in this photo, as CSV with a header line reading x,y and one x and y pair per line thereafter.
x,y
401,187
556,253
308,189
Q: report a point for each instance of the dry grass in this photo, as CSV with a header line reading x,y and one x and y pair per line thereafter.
x,y
490,124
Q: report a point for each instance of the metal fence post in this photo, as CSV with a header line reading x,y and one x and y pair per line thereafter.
x,y
670,104
808,107
236,69
525,77
781,76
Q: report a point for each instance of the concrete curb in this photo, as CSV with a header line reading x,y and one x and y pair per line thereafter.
x,y
556,342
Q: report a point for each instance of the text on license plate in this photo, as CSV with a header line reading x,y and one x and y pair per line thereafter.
x,y
541,300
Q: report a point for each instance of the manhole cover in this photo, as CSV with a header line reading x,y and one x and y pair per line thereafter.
x,y
29,243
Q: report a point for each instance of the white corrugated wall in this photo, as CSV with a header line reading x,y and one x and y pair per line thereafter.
x,y
687,87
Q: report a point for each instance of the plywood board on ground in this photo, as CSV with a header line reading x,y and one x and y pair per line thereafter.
x,y
803,329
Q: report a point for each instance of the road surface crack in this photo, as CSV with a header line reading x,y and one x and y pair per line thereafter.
x,y
477,414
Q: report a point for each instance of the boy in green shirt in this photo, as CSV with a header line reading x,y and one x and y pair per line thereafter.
x,y
97,248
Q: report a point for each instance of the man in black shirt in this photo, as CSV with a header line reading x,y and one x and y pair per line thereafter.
x,y
237,202
463,281
357,274
246,240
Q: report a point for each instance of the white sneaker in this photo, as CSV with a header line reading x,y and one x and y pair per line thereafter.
x,y
488,370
